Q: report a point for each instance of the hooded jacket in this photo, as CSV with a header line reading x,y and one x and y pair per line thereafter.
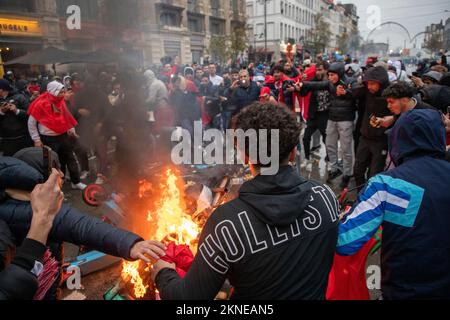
x,y
14,126
70,225
275,241
342,108
320,101
375,104
437,96
411,203
156,90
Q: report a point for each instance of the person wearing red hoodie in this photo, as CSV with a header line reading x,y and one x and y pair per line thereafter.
x,y
50,123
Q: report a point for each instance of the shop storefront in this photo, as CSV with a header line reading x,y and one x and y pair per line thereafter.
x,y
19,36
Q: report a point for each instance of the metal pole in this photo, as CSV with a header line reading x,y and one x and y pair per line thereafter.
x,y
265,30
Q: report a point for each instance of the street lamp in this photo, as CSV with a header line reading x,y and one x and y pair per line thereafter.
x,y
265,27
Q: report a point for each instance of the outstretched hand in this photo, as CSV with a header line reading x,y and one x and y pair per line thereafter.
x,y
148,250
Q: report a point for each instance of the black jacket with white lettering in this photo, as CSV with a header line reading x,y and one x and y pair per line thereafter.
x,y
276,241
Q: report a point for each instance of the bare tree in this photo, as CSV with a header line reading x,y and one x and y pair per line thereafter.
x,y
320,35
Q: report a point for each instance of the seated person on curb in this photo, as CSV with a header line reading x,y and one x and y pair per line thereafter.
x,y
411,203
275,241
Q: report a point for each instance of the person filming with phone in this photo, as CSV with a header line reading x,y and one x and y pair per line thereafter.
x,y
244,91
13,120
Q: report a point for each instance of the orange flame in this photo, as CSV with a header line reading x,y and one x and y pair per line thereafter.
x,y
130,270
144,187
172,224
172,221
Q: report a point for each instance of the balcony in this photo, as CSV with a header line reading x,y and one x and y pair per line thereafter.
x,y
171,3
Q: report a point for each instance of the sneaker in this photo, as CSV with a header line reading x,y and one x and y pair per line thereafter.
x,y
79,186
303,164
333,175
309,165
315,149
100,180
84,174
345,181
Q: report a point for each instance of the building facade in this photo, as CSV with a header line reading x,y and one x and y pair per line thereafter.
x,y
447,35
147,30
285,20
293,20
434,31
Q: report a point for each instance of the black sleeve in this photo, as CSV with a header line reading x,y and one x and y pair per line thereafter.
x,y
358,91
202,282
309,86
17,282
72,226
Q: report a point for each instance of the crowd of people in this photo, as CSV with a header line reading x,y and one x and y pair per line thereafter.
x,y
340,101
371,118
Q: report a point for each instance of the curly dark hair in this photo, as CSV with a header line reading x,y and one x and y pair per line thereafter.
x,y
278,68
398,90
267,116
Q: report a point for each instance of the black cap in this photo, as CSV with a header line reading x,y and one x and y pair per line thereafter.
x,y
4,85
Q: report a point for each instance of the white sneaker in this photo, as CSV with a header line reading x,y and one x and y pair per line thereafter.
x,y
303,164
309,165
84,175
79,186
99,180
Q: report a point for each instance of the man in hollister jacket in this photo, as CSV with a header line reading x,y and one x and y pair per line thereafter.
x,y
412,205
275,241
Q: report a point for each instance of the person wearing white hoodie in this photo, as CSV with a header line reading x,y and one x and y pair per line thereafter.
x,y
50,123
156,90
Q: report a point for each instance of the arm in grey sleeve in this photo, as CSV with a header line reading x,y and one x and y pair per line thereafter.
x,y
33,129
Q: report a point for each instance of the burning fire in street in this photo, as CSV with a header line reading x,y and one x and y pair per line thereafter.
x,y
172,225
130,272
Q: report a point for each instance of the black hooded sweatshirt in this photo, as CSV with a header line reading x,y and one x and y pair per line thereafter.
x,y
342,108
375,104
275,241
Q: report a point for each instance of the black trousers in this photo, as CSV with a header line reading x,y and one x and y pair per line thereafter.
x,y
63,146
82,155
370,160
11,146
319,123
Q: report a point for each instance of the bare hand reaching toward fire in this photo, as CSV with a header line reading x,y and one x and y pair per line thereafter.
x,y
145,249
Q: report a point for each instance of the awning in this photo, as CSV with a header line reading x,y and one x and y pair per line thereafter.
x,y
48,55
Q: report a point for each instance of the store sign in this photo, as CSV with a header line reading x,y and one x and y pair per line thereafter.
x,y
17,27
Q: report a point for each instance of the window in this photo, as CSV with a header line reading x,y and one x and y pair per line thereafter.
x,y
17,5
215,6
282,7
234,6
250,10
281,30
195,24
192,4
216,26
169,19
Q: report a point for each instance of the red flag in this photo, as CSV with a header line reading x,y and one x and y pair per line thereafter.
x,y
347,279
